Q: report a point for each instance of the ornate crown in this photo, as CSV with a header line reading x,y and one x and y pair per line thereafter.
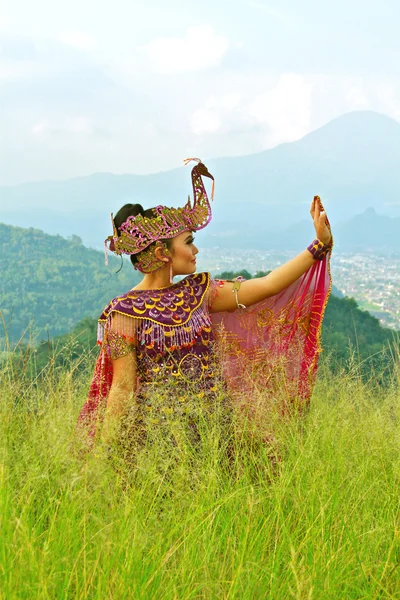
x,y
138,232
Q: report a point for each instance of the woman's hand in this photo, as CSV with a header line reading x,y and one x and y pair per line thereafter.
x,y
319,217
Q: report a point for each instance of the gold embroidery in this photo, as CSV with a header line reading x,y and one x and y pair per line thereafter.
x,y
117,345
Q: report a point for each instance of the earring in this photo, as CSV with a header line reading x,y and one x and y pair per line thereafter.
x,y
171,273
122,264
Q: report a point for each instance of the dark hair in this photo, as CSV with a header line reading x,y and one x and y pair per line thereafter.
x,y
132,210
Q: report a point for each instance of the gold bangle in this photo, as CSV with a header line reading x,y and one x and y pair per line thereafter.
x,y
235,289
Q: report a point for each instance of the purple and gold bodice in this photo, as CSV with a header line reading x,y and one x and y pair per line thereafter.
x,y
170,330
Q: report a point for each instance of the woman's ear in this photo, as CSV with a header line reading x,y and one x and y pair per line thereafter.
x,y
162,253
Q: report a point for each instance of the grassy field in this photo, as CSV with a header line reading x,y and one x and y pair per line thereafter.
x,y
313,514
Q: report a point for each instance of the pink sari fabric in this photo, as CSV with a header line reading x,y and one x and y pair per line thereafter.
x,y
99,389
271,349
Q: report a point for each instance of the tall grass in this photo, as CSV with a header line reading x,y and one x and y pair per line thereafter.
x,y
314,513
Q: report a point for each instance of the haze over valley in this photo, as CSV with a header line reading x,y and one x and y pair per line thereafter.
x,y
261,201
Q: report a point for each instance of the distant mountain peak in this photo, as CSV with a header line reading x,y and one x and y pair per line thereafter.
x,y
365,124
360,118
362,115
370,212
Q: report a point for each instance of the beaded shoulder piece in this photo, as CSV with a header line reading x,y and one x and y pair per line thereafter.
x,y
171,316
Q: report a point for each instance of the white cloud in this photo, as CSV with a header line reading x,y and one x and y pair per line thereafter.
x,y
226,101
40,128
285,109
32,58
12,70
257,109
5,23
217,112
78,39
64,125
200,48
389,95
205,121
283,17
357,97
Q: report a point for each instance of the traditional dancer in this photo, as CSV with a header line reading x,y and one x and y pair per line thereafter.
x,y
173,341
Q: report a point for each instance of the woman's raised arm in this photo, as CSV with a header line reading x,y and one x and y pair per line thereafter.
x,y
255,290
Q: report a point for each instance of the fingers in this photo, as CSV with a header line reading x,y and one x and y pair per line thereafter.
x,y
321,207
314,208
317,200
321,223
318,214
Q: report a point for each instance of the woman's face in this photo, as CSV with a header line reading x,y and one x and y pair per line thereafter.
x,y
183,252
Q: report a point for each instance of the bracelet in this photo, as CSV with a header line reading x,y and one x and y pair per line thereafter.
x,y
235,288
318,249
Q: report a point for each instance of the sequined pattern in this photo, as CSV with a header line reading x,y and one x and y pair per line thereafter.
x,y
117,345
169,328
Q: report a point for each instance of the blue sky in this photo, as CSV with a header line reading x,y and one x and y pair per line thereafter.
x,y
135,87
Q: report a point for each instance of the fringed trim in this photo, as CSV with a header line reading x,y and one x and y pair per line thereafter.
x,y
145,333
100,333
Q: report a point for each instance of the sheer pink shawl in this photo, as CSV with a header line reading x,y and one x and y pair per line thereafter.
x,y
272,348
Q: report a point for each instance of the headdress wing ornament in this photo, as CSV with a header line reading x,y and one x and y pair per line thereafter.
x,y
138,232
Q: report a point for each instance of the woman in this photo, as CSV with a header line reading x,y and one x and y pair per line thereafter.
x,y
174,339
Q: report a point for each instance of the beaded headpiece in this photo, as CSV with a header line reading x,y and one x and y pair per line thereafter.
x,y
139,232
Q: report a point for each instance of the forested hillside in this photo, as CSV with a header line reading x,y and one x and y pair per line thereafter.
x,y
53,282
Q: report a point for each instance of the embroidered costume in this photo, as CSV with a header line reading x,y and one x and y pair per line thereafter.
x,y
263,353
269,350
170,332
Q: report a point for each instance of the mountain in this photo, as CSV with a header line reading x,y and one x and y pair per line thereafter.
x,y
366,231
369,230
352,163
52,283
